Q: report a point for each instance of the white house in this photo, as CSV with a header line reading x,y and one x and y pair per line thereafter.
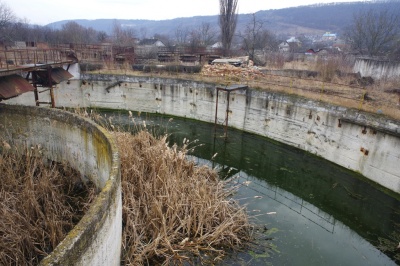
x,y
151,43
149,47
284,47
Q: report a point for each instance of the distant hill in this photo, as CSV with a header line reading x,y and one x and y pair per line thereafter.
x,y
312,19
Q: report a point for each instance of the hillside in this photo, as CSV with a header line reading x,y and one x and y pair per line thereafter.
x,y
332,17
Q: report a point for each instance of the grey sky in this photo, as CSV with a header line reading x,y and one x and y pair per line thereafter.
x,y
46,11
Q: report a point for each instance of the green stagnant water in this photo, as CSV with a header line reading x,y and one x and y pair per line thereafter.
x,y
319,213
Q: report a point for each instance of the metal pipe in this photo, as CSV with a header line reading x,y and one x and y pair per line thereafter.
x,y
50,85
34,81
5,56
216,114
227,116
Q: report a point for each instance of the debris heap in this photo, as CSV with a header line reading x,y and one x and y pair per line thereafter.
x,y
226,70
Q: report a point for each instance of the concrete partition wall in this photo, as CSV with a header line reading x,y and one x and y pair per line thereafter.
x,y
377,69
96,239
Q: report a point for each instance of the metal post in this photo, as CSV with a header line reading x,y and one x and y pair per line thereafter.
x,y
227,115
5,55
53,102
34,81
216,114
228,90
50,84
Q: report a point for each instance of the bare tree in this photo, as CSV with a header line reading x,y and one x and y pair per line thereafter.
x,y
6,15
194,41
72,32
43,34
201,37
143,33
7,18
227,22
123,36
374,32
181,35
255,37
21,31
207,34
102,36
91,35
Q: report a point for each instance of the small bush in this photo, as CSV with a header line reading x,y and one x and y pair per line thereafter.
x,y
275,60
333,66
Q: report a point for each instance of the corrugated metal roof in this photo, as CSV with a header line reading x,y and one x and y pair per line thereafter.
x,y
13,85
58,74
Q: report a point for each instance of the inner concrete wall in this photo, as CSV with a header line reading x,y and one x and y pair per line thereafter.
x,y
366,143
64,137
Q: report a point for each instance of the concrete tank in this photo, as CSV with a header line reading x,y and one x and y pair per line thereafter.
x,y
96,239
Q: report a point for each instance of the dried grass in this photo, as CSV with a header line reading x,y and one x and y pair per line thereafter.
x,y
174,210
40,202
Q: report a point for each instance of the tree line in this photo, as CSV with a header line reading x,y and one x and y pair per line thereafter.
x,y
371,32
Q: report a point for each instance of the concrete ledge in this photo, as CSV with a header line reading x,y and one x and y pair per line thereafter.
x,y
96,239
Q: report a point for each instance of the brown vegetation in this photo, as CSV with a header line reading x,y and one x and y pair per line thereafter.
x,y
40,202
174,210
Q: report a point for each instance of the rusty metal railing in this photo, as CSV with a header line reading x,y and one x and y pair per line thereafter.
x,y
21,58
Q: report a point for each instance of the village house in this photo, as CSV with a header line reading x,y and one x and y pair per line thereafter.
x,y
329,36
284,47
290,45
149,47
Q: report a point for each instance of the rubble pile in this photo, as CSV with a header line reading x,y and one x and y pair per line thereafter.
x,y
226,70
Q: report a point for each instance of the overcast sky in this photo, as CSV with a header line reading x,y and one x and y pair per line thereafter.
x,y
43,12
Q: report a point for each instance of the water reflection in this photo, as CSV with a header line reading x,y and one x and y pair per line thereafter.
x,y
301,233
325,215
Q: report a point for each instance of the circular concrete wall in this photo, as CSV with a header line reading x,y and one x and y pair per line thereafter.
x,y
96,239
367,143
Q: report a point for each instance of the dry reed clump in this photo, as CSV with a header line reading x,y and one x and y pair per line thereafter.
x,y
40,202
328,67
174,210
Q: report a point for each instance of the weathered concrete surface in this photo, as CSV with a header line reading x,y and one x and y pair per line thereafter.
x,y
96,240
365,143
378,69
